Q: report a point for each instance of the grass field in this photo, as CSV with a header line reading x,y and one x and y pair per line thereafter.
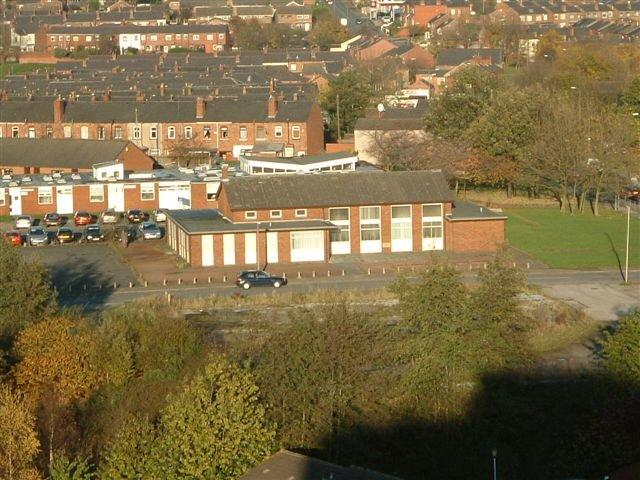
x,y
18,68
574,241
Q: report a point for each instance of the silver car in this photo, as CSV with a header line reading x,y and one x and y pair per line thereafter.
x,y
109,216
38,236
149,231
160,215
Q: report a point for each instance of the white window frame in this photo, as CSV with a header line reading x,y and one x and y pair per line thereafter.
x,y
67,131
277,131
44,193
15,132
2,197
147,191
153,133
211,192
342,246
188,132
296,132
137,132
117,132
242,133
373,245
251,215
432,223
401,230
31,132
224,133
275,214
96,193
84,132
171,133
301,212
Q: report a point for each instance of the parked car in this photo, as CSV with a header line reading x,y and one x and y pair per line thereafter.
x,y
93,233
258,278
135,216
160,215
38,236
109,216
149,230
13,238
82,218
52,220
65,235
24,221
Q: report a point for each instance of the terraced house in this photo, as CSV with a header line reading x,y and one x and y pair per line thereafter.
x,y
227,126
264,220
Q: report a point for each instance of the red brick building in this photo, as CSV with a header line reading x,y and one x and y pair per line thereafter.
x,y
297,218
223,125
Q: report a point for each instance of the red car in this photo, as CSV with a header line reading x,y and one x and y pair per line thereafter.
x,y
82,218
13,238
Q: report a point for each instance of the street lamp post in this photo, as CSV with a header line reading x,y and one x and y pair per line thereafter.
x,y
494,454
626,259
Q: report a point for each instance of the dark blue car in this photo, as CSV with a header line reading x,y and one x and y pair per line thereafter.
x,y
258,278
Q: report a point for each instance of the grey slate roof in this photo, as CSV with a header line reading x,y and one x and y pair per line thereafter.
x,y
212,221
304,160
64,153
334,190
471,211
294,466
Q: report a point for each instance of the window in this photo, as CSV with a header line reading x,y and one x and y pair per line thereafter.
x,y
275,213
206,132
260,133
136,133
76,38
88,38
153,133
401,228
224,132
45,195
301,212
188,132
369,223
196,36
102,133
277,132
84,132
171,133
212,191
252,215
295,133
15,131
49,132
1,134
147,191
167,38
96,193
117,132
243,132
67,131
221,37
154,38
2,201
340,218
431,225
209,36
31,133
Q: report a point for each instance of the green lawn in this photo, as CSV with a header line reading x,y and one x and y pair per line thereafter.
x,y
17,68
574,241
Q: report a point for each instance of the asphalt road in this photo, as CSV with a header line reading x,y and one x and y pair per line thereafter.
x,y
356,21
557,283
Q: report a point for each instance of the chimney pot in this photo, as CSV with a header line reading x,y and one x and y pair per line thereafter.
x,y
224,173
58,110
201,106
272,107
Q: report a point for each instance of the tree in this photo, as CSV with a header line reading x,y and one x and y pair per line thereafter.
x,y
326,31
65,469
346,96
549,45
621,350
214,427
451,113
26,293
19,443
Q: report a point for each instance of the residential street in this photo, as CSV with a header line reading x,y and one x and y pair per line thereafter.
x,y
601,293
342,9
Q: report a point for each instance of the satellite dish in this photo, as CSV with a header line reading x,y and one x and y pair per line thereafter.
x,y
380,107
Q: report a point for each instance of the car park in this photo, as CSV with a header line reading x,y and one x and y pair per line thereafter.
x,y
52,220
82,218
93,233
38,236
135,216
13,238
160,215
259,278
24,221
149,231
65,235
109,216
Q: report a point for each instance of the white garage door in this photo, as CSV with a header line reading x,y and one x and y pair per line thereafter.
x,y
229,248
64,199
174,196
307,246
250,248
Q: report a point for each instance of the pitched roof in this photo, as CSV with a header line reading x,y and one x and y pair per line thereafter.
x,y
47,152
337,189
294,466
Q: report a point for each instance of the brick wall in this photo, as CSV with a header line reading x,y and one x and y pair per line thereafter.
x,y
135,159
474,236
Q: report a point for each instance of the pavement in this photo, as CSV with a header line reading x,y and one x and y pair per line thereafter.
x,y
356,22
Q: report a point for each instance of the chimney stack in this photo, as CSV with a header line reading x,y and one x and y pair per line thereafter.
x,y
58,110
272,107
163,89
201,105
189,90
107,96
140,97
224,173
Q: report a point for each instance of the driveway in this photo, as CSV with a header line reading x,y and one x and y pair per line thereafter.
x,y
76,265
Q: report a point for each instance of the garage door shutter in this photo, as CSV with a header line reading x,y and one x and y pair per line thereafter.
x,y
307,246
